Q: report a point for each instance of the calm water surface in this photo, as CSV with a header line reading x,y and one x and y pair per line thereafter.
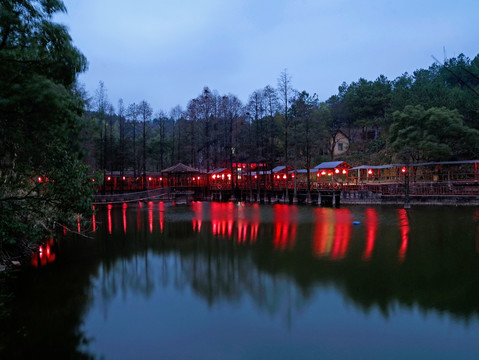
x,y
244,281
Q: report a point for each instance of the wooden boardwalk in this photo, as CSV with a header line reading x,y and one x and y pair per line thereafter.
x,y
159,194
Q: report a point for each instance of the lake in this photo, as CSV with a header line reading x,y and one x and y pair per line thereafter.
x,y
218,280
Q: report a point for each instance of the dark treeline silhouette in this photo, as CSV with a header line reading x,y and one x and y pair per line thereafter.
x,y
431,114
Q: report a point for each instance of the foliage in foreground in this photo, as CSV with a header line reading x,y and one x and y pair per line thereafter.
x,y
42,178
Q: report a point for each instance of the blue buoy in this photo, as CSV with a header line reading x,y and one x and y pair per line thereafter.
x,y
356,222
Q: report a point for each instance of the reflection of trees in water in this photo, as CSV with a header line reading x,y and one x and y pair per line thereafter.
x,y
434,272
212,274
43,314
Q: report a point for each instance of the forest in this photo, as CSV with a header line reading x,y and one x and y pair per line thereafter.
x,y
429,115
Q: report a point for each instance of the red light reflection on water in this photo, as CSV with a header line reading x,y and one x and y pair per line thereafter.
x,y
371,232
332,233
404,228
124,206
285,226
197,208
44,255
222,219
255,220
324,231
342,233
150,215
93,220
109,207
161,213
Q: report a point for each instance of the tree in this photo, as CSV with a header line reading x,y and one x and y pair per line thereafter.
x,y
121,118
145,111
286,91
132,114
42,178
436,134
271,105
305,110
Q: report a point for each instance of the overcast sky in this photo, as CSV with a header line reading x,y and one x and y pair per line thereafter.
x,y
166,51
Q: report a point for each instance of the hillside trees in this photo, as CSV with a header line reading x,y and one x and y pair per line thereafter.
x,y
304,110
435,134
218,130
42,178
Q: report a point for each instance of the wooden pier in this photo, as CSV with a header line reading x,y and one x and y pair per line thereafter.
x,y
159,194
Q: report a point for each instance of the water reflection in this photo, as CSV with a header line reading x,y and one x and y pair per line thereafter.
x,y
46,254
285,226
333,232
404,228
283,265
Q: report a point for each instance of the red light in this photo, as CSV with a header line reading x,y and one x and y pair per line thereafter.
x,y
108,178
214,177
161,179
370,172
92,180
319,174
344,172
256,176
124,178
336,171
277,176
403,169
284,176
149,178
323,172
292,175
40,179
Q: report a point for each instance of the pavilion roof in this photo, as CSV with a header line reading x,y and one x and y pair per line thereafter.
x,y
180,169
331,165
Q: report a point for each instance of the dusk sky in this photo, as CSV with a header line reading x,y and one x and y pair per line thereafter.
x,y
165,52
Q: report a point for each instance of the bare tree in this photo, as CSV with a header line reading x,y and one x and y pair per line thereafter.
x,y
176,115
271,103
145,112
121,118
132,114
286,92
101,100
